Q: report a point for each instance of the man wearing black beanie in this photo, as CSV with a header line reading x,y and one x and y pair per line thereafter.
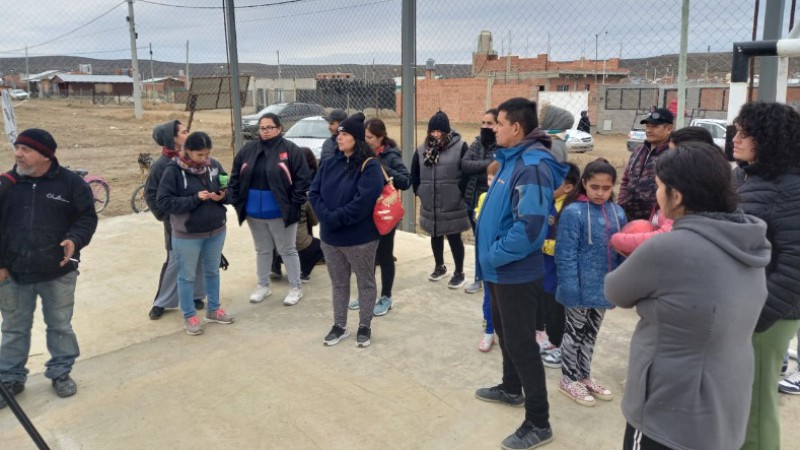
x,y
54,209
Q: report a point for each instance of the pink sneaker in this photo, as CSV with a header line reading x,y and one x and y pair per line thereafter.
x,y
486,342
576,392
544,342
596,389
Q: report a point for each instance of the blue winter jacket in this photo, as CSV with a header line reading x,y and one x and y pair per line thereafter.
x,y
583,252
513,222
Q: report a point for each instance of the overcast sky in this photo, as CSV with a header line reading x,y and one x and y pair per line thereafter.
x,y
358,31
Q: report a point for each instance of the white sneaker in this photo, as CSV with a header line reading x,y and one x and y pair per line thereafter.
x,y
294,296
260,294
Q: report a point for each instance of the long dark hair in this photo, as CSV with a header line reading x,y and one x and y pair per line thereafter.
x,y
597,167
361,152
701,174
378,128
775,129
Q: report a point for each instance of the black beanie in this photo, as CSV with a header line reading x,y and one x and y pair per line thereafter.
x,y
39,140
439,122
354,126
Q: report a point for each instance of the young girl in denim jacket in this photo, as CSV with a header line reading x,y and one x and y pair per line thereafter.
x,y
583,258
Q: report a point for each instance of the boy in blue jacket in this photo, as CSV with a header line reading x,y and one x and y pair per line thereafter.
x,y
509,236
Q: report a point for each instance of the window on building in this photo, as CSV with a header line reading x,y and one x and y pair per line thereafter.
x,y
586,87
562,88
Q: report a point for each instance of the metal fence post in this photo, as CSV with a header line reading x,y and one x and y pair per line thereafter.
x,y
409,122
233,60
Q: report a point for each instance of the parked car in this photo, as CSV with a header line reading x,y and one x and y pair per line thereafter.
x,y
637,134
716,127
19,94
288,112
310,132
579,141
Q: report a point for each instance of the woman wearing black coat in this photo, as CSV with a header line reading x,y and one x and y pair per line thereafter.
x,y
767,147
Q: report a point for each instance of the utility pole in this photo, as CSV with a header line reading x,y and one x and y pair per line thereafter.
x,y
233,64
137,89
408,38
187,64
684,45
27,73
152,80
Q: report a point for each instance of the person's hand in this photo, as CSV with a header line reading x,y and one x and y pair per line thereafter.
x,y
69,250
3,274
203,195
217,197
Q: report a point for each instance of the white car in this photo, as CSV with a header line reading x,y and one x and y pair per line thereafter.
x,y
19,94
310,132
579,141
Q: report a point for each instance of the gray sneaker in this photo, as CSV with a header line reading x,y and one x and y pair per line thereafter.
x,y
498,394
65,386
383,306
362,337
219,316
474,288
193,326
528,436
552,358
354,305
336,334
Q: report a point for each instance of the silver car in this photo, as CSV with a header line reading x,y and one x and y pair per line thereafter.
x,y
579,141
310,132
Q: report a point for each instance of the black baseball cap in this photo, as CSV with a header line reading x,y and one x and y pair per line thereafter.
x,y
659,117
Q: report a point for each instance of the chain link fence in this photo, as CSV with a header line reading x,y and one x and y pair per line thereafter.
x,y
613,59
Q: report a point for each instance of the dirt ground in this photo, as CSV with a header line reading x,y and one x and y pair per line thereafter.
x,y
107,139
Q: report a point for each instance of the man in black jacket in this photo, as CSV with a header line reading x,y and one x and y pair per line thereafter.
x,y
335,117
170,136
46,218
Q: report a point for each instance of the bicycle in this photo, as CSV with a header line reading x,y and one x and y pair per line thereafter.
x,y
101,191
138,203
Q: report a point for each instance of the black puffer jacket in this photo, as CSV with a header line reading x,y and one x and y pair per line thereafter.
x,y
392,162
777,202
473,166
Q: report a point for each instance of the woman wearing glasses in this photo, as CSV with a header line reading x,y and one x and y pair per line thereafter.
x,y
269,185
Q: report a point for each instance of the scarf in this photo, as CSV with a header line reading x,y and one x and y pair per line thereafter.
x,y
169,153
432,149
191,166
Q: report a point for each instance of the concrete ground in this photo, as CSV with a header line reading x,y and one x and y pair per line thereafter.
x,y
268,382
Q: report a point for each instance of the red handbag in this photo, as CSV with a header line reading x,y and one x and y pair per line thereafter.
x,y
389,208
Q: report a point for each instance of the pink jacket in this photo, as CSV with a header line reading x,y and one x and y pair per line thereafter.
x,y
626,243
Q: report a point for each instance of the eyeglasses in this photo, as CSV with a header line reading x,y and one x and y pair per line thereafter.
x,y
267,128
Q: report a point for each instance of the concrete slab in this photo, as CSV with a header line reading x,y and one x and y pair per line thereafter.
x,y
268,382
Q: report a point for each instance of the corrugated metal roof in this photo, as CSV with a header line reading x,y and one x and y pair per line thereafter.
x,y
42,75
111,79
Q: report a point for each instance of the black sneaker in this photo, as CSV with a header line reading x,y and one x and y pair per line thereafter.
x,y
336,334
155,312
438,273
304,278
528,436
457,281
362,337
13,388
198,304
65,386
498,394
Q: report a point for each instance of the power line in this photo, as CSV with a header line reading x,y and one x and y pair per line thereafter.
x,y
285,2
68,32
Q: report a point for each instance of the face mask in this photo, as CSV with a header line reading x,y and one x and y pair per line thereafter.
x,y
487,137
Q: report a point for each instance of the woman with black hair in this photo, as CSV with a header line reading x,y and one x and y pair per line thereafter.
x,y
191,193
767,148
269,185
698,291
686,134
343,195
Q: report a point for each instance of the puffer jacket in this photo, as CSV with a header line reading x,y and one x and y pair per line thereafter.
x,y
626,243
556,121
637,190
777,202
583,251
473,166
392,162
189,216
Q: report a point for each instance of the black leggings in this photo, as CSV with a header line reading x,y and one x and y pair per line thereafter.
x,y
384,257
551,317
456,246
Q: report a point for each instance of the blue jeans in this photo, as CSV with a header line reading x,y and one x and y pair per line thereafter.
x,y
17,304
208,251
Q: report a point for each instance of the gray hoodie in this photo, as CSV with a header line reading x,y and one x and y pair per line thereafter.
x,y
556,120
698,290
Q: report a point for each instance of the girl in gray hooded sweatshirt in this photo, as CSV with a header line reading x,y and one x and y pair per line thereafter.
x,y
698,290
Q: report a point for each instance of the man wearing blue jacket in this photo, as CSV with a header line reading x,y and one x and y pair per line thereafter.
x,y
509,236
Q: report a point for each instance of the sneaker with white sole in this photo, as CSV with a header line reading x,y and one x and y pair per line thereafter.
x,y
528,436
219,316
552,358
260,294
474,288
438,273
294,296
597,390
791,384
486,342
382,306
193,326
544,343
457,281
577,392
336,334
354,305
362,337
